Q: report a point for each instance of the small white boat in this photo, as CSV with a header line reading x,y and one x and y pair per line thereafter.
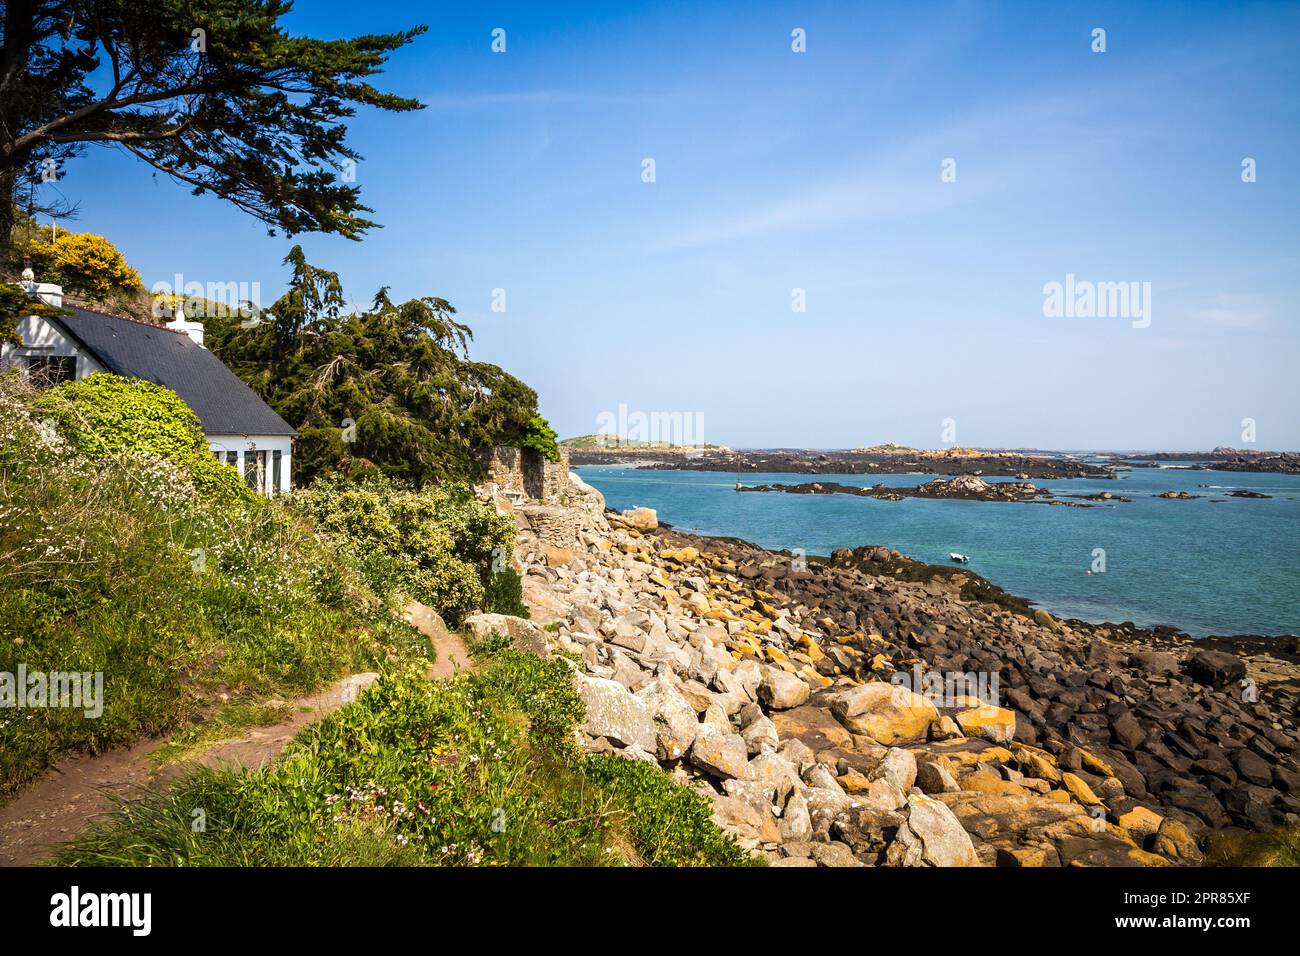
x,y
959,558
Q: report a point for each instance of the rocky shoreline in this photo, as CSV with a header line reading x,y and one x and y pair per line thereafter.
x,y
868,709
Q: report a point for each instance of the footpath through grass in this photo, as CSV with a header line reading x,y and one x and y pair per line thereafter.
x,y
481,769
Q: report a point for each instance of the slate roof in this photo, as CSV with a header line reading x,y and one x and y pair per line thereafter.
x,y
224,404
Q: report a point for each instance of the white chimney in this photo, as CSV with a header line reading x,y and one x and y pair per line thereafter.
x,y
180,324
48,292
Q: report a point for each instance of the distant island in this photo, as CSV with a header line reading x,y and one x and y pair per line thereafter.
x,y
963,487
883,462
605,442
1220,459
890,458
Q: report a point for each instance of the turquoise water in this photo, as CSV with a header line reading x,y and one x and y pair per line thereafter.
x,y
1229,568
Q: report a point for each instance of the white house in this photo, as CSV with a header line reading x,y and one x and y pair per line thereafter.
x,y
241,429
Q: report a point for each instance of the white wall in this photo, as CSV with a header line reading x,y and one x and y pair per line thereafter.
x,y
42,338
241,444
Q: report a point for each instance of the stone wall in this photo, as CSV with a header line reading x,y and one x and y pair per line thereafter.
x,y
549,506
525,472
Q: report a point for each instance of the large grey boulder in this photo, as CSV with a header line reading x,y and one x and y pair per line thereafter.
x,y
834,854
898,768
625,633
523,634
749,824
616,713
796,823
886,713
640,519
781,690
775,775
750,676
825,806
1215,668
798,753
760,734
820,776
933,777
933,836
720,752
674,718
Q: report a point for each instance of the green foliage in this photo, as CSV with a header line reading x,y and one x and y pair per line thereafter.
x,y
388,390
669,824
215,94
504,593
313,296
103,415
477,770
437,544
540,437
16,304
116,564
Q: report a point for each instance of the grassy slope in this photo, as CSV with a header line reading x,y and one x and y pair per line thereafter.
x,y
117,566
481,769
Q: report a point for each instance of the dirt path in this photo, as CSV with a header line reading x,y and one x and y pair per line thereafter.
x,y
69,796
60,804
451,652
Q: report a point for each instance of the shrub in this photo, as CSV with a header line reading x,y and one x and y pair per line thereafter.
x,y
504,593
106,415
437,544
83,261
541,438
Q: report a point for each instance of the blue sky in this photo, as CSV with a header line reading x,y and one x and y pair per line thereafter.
x,y
820,171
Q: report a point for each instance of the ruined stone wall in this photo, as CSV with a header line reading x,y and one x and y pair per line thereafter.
x,y
557,510
524,471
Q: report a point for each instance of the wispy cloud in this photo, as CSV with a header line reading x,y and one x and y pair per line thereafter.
x,y
998,148
1237,311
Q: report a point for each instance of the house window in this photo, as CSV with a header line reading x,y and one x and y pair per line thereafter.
x,y
232,459
255,469
275,470
45,371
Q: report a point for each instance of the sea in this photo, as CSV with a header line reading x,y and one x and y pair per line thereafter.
x,y
1211,566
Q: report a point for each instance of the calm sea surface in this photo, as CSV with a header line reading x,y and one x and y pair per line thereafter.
x,y
1207,568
